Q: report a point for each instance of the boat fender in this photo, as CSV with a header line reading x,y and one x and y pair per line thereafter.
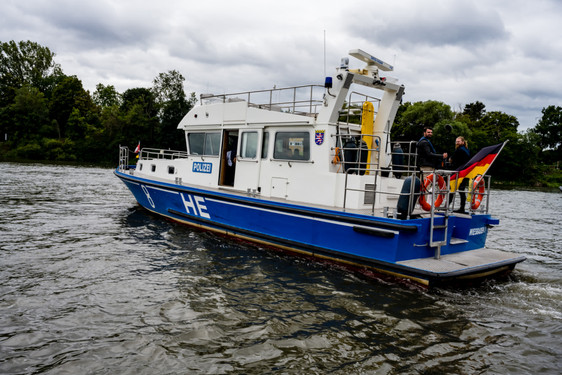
x,y
427,182
355,152
350,155
478,190
403,205
363,153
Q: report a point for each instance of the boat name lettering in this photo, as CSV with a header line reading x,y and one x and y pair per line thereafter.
x,y
477,231
195,205
200,167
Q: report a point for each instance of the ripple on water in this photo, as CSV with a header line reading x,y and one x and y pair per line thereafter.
x,y
90,283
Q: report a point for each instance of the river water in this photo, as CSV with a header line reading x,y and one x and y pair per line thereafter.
x,y
92,284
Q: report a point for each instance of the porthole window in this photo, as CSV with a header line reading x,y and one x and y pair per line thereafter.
x,y
171,169
153,167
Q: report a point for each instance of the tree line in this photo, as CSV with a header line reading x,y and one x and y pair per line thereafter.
x,y
529,158
48,115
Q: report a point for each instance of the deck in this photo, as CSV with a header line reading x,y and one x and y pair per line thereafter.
x,y
465,262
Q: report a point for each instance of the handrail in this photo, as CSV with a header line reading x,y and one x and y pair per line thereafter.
x,y
154,153
355,107
295,99
375,174
445,209
123,158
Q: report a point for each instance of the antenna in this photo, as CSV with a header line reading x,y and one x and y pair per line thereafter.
x,y
324,52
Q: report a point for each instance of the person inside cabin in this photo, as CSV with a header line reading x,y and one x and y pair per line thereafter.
x,y
428,158
231,160
458,159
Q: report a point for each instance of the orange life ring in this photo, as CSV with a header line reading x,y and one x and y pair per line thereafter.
x,y
478,189
427,182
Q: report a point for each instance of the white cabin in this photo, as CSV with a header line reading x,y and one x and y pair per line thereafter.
x,y
289,142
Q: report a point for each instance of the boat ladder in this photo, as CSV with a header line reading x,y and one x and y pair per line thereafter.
x,y
433,226
440,227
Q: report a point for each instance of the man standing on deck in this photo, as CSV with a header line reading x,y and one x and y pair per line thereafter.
x,y
428,158
460,157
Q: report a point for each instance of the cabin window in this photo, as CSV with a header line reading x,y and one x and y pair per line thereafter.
x,y
292,146
265,145
249,145
204,143
196,143
153,167
140,167
171,169
212,143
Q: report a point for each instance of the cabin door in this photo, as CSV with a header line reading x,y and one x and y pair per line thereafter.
x,y
248,161
228,158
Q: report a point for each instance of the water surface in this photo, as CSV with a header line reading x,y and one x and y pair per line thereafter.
x,y
91,283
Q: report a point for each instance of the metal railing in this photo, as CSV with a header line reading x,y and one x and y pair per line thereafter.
x,y
354,154
154,153
123,158
353,108
296,99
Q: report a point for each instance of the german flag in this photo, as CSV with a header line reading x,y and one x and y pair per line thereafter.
x,y
477,165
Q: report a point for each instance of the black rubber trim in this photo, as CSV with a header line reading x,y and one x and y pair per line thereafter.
x,y
374,232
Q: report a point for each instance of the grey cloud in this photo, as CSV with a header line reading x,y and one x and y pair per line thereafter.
x,y
454,24
84,25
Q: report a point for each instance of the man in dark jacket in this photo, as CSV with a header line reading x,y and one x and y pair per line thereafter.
x,y
428,158
459,158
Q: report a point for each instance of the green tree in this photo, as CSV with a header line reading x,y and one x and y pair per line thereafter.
x,y
23,63
106,96
549,132
475,111
29,116
168,87
67,96
139,112
495,127
445,134
173,105
412,118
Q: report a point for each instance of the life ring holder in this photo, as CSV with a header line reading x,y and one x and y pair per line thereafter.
x,y
427,182
478,191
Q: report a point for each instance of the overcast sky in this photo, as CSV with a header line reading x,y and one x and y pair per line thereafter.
x,y
504,53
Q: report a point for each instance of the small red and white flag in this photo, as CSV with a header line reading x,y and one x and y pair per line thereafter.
x,y
137,150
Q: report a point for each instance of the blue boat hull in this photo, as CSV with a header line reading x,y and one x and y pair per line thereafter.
x,y
375,243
